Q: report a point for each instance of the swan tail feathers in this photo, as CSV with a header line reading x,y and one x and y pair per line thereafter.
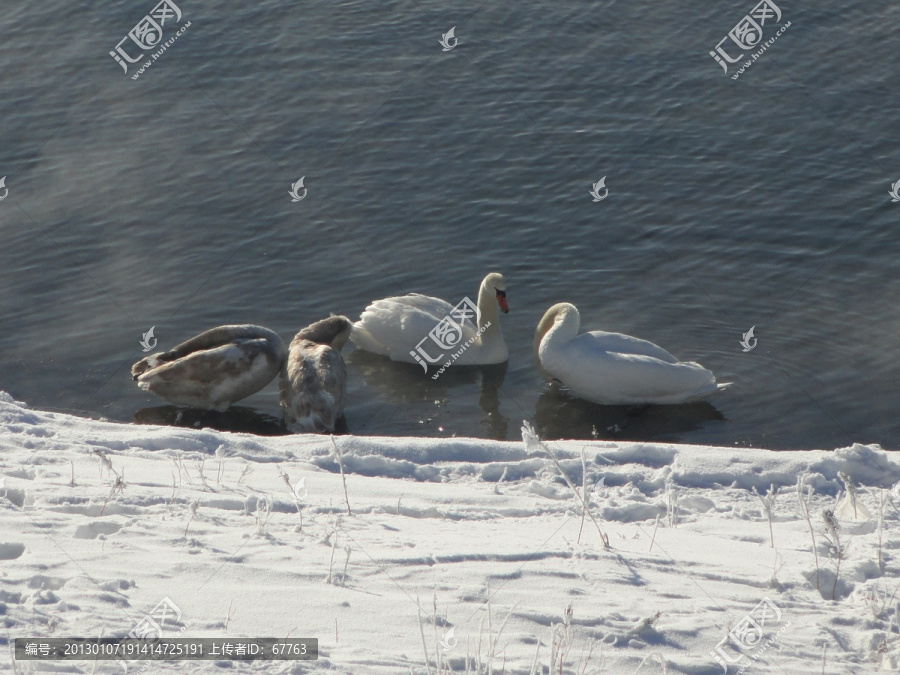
x,y
709,390
706,391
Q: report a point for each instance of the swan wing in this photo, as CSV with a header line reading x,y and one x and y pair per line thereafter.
x,y
394,326
214,337
624,344
313,387
615,378
214,378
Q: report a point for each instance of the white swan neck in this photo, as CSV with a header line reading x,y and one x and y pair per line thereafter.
x,y
489,320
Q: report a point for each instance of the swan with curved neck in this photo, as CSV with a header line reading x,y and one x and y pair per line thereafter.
x,y
214,369
314,379
612,368
400,327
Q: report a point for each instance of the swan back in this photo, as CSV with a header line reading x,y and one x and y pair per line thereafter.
x,y
314,380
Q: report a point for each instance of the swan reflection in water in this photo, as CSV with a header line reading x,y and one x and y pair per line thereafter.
x,y
559,416
240,419
406,388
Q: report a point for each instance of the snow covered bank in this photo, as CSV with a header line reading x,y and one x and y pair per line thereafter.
x,y
475,552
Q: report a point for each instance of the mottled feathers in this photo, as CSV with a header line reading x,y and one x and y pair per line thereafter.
x,y
214,369
314,380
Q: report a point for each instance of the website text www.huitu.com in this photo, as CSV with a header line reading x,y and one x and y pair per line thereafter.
x,y
753,57
168,43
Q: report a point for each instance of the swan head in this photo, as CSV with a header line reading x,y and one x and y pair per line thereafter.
x,y
551,317
495,285
333,331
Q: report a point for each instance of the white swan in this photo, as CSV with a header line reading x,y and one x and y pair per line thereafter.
x,y
214,369
395,327
614,369
314,380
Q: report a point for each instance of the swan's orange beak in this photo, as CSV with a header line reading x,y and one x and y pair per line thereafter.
x,y
501,300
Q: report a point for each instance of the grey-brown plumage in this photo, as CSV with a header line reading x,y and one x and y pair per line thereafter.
x,y
314,380
214,369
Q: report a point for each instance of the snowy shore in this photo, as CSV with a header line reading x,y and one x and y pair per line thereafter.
x,y
475,553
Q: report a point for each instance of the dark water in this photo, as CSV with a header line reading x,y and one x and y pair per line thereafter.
x,y
163,201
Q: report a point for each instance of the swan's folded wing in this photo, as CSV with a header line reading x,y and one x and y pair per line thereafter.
x,y
211,377
625,344
435,307
394,326
620,378
222,336
662,382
